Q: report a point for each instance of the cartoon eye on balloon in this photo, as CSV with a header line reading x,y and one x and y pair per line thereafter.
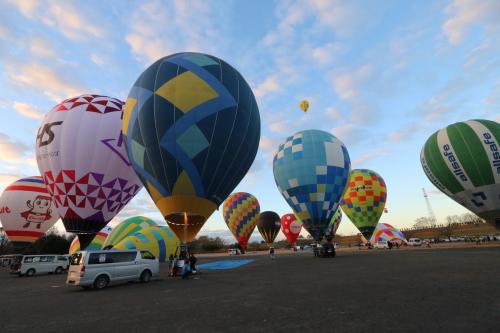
x,y
192,130
463,161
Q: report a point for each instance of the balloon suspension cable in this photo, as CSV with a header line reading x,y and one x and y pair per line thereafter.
x,y
185,227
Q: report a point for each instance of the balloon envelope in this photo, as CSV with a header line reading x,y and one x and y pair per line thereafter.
x,y
304,105
364,200
291,228
386,232
158,240
126,228
240,212
334,225
463,161
311,170
192,129
26,211
269,225
82,159
97,242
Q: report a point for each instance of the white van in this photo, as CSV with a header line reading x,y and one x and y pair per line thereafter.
x,y
38,264
415,242
99,268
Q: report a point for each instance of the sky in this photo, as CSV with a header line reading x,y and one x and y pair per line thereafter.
x,y
382,76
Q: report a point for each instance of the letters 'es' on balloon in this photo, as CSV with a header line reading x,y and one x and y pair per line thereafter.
x,y
364,200
81,156
192,129
291,228
126,228
269,225
311,169
463,161
26,211
159,240
240,211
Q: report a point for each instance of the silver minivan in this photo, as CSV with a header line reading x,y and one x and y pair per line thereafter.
x,y
30,265
99,268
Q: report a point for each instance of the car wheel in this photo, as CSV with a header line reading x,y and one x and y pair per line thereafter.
x,y
30,272
59,270
145,276
101,282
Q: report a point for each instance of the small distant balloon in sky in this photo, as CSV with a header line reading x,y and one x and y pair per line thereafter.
x,y
304,105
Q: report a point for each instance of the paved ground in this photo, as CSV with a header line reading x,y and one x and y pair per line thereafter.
x,y
449,290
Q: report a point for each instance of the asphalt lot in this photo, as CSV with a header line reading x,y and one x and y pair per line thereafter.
x,y
452,290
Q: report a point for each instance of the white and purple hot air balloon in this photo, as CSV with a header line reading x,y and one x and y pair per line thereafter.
x,y
81,156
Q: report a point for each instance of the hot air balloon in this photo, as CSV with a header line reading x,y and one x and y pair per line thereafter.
x,y
240,212
26,211
97,242
82,159
304,105
364,200
159,240
291,228
311,170
334,225
192,130
386,232
269,225
126,228
463,161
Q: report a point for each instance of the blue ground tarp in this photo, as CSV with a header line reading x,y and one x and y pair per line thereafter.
x,y
225,264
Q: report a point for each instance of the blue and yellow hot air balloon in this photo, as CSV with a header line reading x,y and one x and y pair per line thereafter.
x,y
311,169
241,211
126,228
158,240
192,130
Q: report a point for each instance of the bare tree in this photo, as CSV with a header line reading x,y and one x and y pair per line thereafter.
x,y
422,222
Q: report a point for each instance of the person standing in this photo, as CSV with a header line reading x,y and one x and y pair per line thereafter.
x,y
271,252
192,263
185,270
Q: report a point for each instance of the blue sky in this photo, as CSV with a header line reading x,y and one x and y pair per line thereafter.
x,y
380,75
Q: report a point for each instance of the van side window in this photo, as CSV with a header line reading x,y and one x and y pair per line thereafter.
x,y
123,256
147,255
28,259
61,258
100,258
36,259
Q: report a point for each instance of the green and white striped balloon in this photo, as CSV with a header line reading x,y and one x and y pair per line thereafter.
x,y
463,161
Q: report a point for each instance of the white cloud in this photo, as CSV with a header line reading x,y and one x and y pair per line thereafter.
x,y
325,54
12,151
71,21
4,32
465,13
347,84
368,156
42,47
45,80
270,85
28,110
98,59
186,26
334,113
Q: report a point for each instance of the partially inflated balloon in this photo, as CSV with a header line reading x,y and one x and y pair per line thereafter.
x,y
192,130
26,211
463,161
158,240
81,155
269,225
364,200
334,225
126,228
240,212
311,170
291,228
386,232
304,105
97,242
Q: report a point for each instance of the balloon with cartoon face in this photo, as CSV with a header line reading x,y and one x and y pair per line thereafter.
x,y
26,211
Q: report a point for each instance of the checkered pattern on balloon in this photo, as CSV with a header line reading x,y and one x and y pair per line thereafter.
x,y
241,211
313,186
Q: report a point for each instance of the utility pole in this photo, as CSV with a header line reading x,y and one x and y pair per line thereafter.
x,y
430,212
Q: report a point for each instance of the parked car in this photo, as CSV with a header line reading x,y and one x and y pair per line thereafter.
x,y
39,264
381,245
98,269
233,251
415,242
